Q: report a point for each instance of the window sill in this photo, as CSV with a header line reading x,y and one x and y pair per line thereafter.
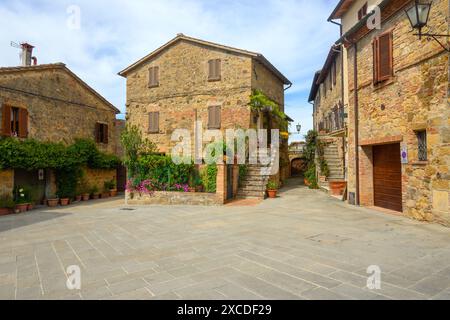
x,y
420,163
155,86
215,80
383,84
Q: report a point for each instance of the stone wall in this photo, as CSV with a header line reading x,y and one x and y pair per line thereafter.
x,y
416,98
97,177
175,198
6,181
57,120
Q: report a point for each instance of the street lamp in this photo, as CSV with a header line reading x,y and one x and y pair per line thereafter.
x,y
418,17
299,128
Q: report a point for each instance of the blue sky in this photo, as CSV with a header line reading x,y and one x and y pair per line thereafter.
x,y
293,34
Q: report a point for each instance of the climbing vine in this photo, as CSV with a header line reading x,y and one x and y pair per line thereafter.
x,y
260,102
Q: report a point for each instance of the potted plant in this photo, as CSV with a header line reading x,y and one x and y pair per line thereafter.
x,y
83,189
6,204
106,190
112,188
52,201
272,189
94,193
21,198
192,182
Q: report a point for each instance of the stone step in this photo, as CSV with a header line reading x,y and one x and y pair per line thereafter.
x,y
246,195
253,188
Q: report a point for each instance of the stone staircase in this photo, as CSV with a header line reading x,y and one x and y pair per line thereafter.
x,y
335,164
255,182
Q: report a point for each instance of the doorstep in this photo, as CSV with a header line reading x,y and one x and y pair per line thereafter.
x,y
387,211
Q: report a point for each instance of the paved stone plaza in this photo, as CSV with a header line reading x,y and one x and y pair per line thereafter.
x,y
303,245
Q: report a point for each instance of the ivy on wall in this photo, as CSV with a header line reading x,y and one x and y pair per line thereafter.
x,y
30,154
260,102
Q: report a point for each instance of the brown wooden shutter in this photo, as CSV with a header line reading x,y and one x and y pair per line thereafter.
x,y
211,69
23,123
217,117
385,63
97,132
375,60
105,134
218,68
210,117
6,120
153,120
334,74
153,77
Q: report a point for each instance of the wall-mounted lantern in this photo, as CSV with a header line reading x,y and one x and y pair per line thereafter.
x,y
418,16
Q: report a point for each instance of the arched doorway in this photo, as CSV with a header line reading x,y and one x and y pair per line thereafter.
x,y
297,167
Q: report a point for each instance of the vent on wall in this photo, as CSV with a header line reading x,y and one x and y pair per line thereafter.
x,y
352,198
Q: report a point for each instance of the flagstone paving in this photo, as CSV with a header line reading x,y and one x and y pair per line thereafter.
x,y
303,245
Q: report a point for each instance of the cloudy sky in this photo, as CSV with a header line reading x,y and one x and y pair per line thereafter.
x,y
293,34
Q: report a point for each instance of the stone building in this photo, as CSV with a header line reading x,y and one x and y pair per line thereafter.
x,y
50,103
329,110
398,109
189,80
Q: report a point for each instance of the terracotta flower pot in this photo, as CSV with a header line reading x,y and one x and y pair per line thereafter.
x,y
337,187
191,189
5,211
65,202
95,196
272,193
52,202
113,193
23,207
30,207
307,183
199,189
85,197
78,198
105,195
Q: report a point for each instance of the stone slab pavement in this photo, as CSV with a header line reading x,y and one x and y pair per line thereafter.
x,y
303,245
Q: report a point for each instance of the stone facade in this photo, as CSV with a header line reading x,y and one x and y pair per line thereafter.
x,y
97,177
61,108
415,98
185,93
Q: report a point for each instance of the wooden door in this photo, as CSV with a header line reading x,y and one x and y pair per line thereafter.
x,y
387,177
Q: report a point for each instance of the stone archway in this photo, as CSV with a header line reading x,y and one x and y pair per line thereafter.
x,y
297,167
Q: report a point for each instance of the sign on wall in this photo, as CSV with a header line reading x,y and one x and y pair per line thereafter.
x,y
404,153
41,174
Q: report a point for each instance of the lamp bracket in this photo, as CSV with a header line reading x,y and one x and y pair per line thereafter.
x,y
435,37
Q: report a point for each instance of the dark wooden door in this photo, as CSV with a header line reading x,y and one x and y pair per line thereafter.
x,y
387,177
121,178
230,182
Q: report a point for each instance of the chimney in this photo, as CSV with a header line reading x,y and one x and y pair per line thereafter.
x,y
27,54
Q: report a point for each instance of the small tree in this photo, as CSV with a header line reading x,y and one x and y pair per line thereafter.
x,y
134,146
310,156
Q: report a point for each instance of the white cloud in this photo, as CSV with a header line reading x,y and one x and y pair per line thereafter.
x,y
293,35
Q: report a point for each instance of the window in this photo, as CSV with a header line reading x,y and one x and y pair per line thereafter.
x,y
14,121
334,74
153,122
362,12
214,70
422,145
153,78
214,117
101,133
383,62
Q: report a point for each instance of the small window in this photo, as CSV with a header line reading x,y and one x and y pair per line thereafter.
x,y
153,122
14,121
214,117
362,12
153,77
101,133
214,70
383,58
422,145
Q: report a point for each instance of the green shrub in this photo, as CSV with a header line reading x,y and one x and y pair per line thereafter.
x,y
209,177
22,195
272,185
109,185
161,169
66,182
243,171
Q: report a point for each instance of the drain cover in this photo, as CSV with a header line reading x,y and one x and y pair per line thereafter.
x,y
127,209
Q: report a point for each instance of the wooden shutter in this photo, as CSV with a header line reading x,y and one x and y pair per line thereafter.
x,y
105,134
214,117
334,73
211,117
153,77
214,69
6,120
217,117
153,120
385,62
97,132
23,123
375,60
